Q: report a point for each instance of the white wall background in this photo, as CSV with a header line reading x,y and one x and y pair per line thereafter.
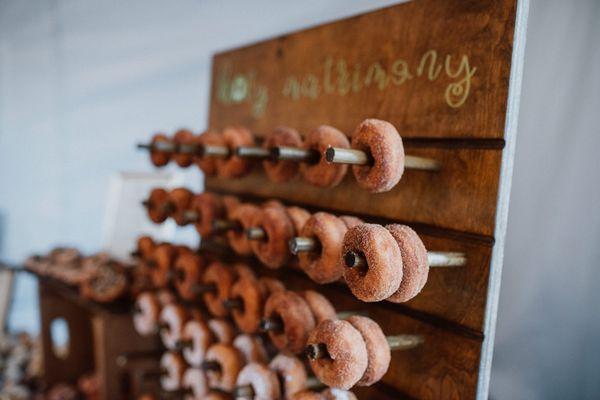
x,y
82,81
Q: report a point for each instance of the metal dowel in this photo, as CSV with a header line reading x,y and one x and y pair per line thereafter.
x,y
183,344
210,365
190,216
233,304
299,244
215,151
256,233
252,152
435,259
188,148
166,147
224,225
358,157
244,392
316,351
272,324
282,153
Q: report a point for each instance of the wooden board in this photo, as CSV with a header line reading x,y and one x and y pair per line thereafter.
x,y
447,75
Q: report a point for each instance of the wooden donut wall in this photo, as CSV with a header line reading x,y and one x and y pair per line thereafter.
x,y
446,74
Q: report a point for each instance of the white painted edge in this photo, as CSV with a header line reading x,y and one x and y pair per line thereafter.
x,y
506,172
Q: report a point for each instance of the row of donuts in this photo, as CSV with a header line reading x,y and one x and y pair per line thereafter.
x,y
376,154
376,262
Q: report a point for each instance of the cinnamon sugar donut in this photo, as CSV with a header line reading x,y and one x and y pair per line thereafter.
x,y
243,270
415,266
325,265
145,247
184,137
323,173
145,317
234,166
158,205
270,286
208,165
299,216
263,381
209,207
272,203
230,203
173,317
291,373
338,394
223,278
248,291
243,216
378,350
382,275
230,361
162,262
222,330
181,199
383,142
159,158
251,347
189,268
308,395
273,250
296,317
174,367
198,335
194,379
347,357
321,308
282,171
351,221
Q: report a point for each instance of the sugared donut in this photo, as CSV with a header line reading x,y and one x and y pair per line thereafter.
x,y
415,266
162,263
282,171
173,317
165,297
291,372
243,270
273,250
199,336
382,275
297,319
230,203
378,350
223,278
347,358
234,166
222,330
272,203
181,198
184,137
174,367
208,165
242,215
338,394
351,221
145,247
323,173
158,205
308,395
325,265
194,379
158,157
383,142
321,308
263,381
108,283
270,286
230,362
299,216
189,268
147,310
209,207
251,347
248,292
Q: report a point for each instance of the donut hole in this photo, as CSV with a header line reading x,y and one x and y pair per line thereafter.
x,y
274,323
315,155
356,260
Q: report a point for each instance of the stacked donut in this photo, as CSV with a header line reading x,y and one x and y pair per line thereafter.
x,y
218,154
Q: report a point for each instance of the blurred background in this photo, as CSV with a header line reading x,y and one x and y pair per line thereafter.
x,y
82,81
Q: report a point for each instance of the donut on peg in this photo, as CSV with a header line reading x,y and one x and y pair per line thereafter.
x,y
282,171
270,285
243,270
158,157
243,216
146,313
382,141
158,205
321,308
322,173
230,203
247,294
345,357
197,338
208,207
294,317
174,367
379,273
278,227
161,264
208,165
351,221
234,166
338,394
299,216
223,278
144,248
251,347
222,330
181,199
261,379
194,379
223,364
184,138
415,266
291,373
106,284
172,319
189,268
323,265
378,350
